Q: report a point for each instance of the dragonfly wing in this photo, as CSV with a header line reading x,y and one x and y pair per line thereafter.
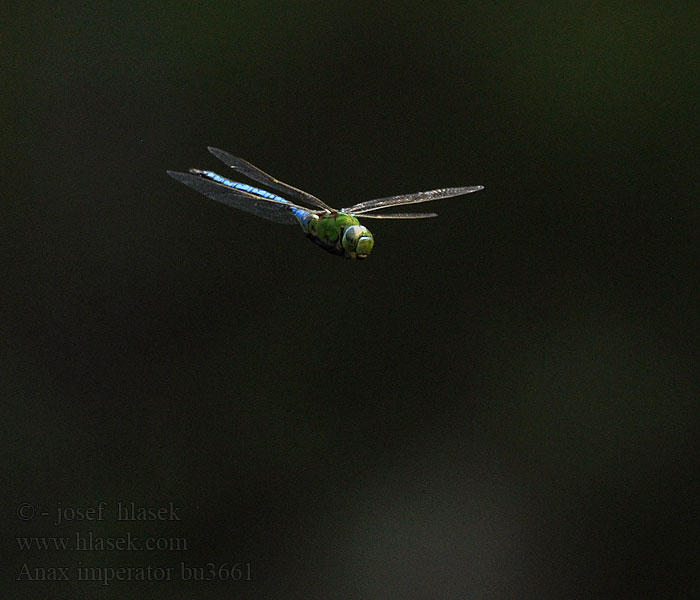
x,y
251,171
416,198
399,216
280,211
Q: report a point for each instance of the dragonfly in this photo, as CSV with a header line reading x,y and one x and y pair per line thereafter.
x,y
337,231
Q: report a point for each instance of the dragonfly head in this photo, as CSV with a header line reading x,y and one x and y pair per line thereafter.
x,y
357,242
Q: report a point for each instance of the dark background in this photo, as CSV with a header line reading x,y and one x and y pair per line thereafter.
x,y
502,402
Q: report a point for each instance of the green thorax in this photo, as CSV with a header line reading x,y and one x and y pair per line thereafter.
x,y
339,233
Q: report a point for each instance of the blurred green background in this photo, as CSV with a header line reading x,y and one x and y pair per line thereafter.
x,y
502,402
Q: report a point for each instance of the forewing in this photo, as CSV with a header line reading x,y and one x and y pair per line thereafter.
x,y
273,210
251,171
416,198
399,216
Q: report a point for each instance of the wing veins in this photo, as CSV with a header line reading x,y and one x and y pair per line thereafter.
x,y
415,198
256,174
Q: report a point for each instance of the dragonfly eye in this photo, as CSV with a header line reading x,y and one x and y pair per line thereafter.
x,y
358,241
